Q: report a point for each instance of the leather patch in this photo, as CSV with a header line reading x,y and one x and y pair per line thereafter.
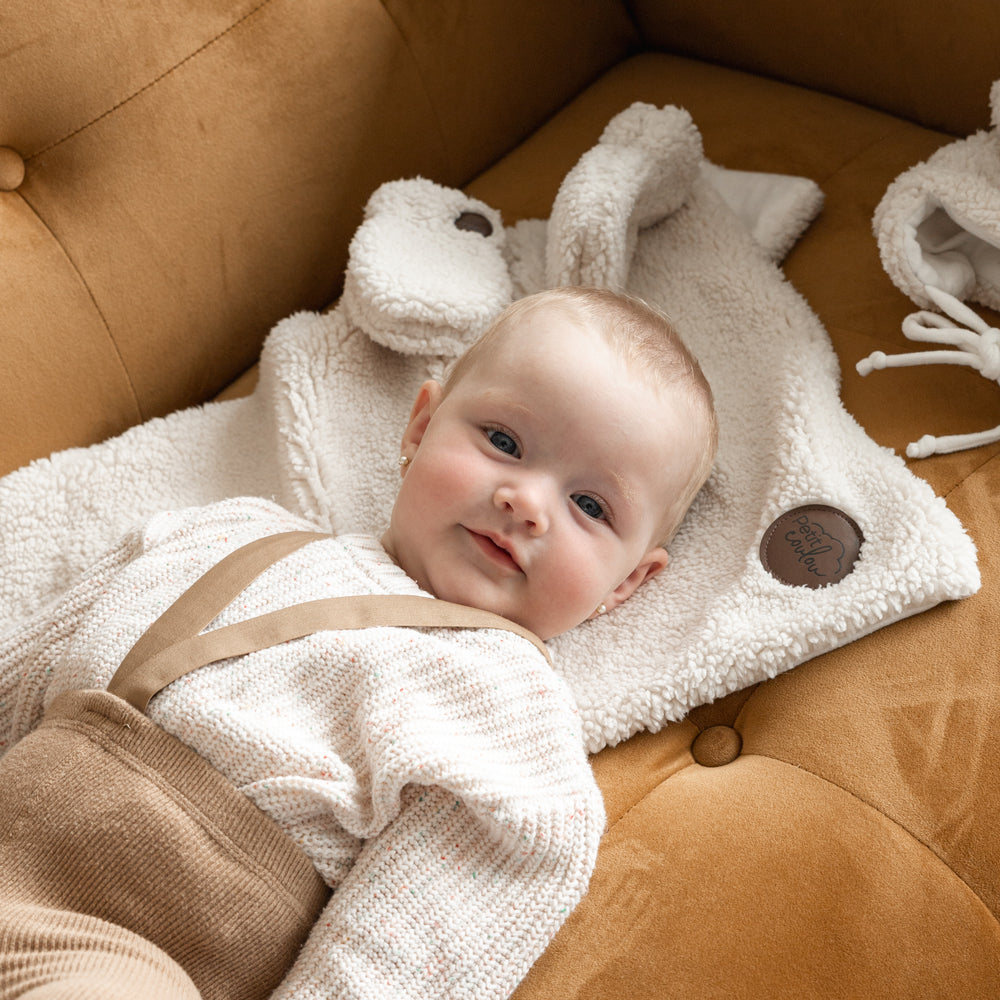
x,y
812,546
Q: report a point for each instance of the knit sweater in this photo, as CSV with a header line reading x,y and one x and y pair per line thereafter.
x,y
436,778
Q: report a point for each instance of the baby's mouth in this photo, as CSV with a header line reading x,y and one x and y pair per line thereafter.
x,y
491,546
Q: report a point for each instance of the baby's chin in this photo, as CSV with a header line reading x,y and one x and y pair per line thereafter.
x,y
545,626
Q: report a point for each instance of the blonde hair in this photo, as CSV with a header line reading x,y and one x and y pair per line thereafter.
x,y
647,342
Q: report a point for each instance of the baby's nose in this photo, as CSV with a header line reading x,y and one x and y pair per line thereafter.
x,y
524,503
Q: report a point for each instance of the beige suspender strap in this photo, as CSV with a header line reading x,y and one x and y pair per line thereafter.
x,y
300,620
208,596
162,663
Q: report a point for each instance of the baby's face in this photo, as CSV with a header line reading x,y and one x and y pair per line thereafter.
x,y
536,486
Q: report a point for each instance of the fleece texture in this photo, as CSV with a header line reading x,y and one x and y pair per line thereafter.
x,y
321,432
938,231
938,224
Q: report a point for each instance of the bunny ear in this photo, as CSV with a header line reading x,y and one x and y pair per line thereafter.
x,y
639,172
426,273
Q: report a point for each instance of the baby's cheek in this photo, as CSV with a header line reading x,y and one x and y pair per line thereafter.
x,y
436,473
582,585
445,489
459,472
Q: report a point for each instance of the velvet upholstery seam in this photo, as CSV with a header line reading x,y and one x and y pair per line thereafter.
x,y
152,83
442,136
819,777
608,827
858,154
874,808
639,41
974,472
90,295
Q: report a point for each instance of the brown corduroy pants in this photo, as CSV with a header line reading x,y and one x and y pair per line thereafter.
x,y
131,868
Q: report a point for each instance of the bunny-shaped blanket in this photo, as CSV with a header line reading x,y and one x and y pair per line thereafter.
x,y
807,535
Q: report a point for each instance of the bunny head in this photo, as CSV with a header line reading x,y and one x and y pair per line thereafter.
x,y
427,272
430,268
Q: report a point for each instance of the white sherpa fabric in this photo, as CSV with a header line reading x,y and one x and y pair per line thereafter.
x,y
775,208
938,223
643,165
321,433
391,293
938,231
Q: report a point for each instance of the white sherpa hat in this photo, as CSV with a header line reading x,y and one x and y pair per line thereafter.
x,y
938,223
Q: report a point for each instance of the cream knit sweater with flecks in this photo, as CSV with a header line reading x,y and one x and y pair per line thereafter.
x,y
436,778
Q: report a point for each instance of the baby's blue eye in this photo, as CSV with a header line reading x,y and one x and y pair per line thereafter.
x,y
503,442
590,506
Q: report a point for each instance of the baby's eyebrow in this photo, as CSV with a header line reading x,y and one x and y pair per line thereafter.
x,y
494,397
624,487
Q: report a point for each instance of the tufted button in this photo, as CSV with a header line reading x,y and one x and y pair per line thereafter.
x,y
474,222
716,746
11,169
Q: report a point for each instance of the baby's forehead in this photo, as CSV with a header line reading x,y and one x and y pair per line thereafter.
x,y
581,359
547,335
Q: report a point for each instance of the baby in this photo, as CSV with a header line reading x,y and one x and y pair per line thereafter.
x,y
433,778
542,481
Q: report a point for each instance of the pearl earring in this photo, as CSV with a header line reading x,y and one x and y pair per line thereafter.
x,y
404,461
602,608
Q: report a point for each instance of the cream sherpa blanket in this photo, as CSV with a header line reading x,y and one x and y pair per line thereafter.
x,y
641,210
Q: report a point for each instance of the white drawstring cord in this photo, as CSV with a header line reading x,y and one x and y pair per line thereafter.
x,y
978,346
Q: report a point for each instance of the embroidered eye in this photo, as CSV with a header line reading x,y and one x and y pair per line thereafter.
x,y
590,506
502,441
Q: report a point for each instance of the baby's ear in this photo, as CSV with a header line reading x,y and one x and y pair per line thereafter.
x,y
428,399
427,272
653,562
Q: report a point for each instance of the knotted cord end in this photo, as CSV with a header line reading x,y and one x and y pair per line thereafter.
x,y
976,344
